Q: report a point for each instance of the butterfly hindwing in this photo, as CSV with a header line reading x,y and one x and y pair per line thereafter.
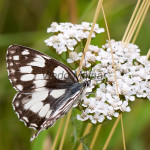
x,y
40,110
30,70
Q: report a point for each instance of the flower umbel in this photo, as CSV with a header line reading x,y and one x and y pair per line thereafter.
x,y
132,70
68,35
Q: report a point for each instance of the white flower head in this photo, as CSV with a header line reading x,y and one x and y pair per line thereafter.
x,y
100,100
132,79
73,56
68,35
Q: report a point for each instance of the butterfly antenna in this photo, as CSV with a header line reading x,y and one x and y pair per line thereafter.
x,y
85,67
79,66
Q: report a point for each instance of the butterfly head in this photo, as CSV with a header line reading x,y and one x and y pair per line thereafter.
x,y
86,83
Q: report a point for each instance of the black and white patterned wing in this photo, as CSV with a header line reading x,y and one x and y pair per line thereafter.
x,y
47,89
40,110
30,70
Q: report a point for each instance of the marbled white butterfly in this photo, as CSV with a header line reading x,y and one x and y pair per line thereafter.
x,y
47,89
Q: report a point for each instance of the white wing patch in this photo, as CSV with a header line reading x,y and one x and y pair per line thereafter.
x,y
60,73
48,114
26,69
11,64
33,125
9,57
57,93
17,103
38,61
13,79
37,64
16,57
36,107
44,110
35,98
19,87
25,118
12,71
27,77
40,76
39,83
25,52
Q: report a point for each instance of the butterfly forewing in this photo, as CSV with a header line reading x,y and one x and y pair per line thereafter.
x,y
47,89
29,69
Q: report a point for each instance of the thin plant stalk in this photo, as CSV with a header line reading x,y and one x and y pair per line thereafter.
x,y
111,133
148,54
141,22
58,133
72,11
136,21
85,133
65,130
123,135
131,20
82,129
95,136
90,34
113,63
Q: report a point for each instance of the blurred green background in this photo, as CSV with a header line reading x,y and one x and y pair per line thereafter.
x,y
25,22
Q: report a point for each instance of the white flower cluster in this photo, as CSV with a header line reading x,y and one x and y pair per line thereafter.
x,y
67,35
133,78
100,101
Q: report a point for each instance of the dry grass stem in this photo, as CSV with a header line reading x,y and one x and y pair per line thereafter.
x,y
72,11
95,136
111,133
47,143
131,20
90,34
88,127
140,24
65,130
58,132
123,136
148,54
99,5
136,21
113,63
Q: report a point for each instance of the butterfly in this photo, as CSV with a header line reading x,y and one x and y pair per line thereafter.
x,y
46,88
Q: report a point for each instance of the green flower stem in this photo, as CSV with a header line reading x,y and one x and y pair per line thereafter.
x,y
76,144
